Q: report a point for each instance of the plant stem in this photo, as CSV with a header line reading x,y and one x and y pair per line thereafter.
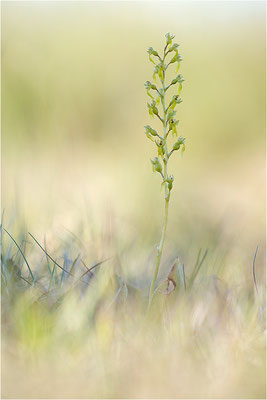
x,y
167,192
159,251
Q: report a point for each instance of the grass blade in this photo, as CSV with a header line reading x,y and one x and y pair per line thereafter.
x,y
49,255
89,270
36,272
74,263
21,253
51,279
253,268
197,267
47,259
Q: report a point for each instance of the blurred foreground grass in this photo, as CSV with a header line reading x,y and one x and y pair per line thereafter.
x,y
76,175
86,333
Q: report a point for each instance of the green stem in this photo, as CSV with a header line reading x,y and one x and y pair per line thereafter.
x,y
159,250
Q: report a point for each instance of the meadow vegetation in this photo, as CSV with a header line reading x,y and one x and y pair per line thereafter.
x,y
82,212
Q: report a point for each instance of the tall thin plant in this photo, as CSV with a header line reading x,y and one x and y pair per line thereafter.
x,y
158,95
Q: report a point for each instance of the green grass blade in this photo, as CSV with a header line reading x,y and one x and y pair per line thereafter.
x,y
29,268
197,268
47,259
197,261
49,255
36,272
254,271
74,263
51,278
181,274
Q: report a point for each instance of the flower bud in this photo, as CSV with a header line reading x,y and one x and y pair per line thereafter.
x,y
159,70
174,47
169,38
179,79
156,165
178,99
170,180
152,52
150,130
181,140
175,100
148,85
161,150
176,58
176,146
150,109
154,108
172,125
174,81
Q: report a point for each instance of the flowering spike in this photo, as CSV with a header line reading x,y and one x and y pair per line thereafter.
x,y
169,124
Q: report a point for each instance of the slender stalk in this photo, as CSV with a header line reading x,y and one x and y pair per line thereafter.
x,y
159,250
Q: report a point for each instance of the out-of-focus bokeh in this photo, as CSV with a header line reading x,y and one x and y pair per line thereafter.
x,y
74,107
75,160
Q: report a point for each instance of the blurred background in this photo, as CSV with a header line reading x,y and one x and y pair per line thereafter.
x,y
76,162
74,106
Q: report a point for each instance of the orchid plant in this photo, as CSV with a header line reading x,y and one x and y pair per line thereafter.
x,y
158,96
